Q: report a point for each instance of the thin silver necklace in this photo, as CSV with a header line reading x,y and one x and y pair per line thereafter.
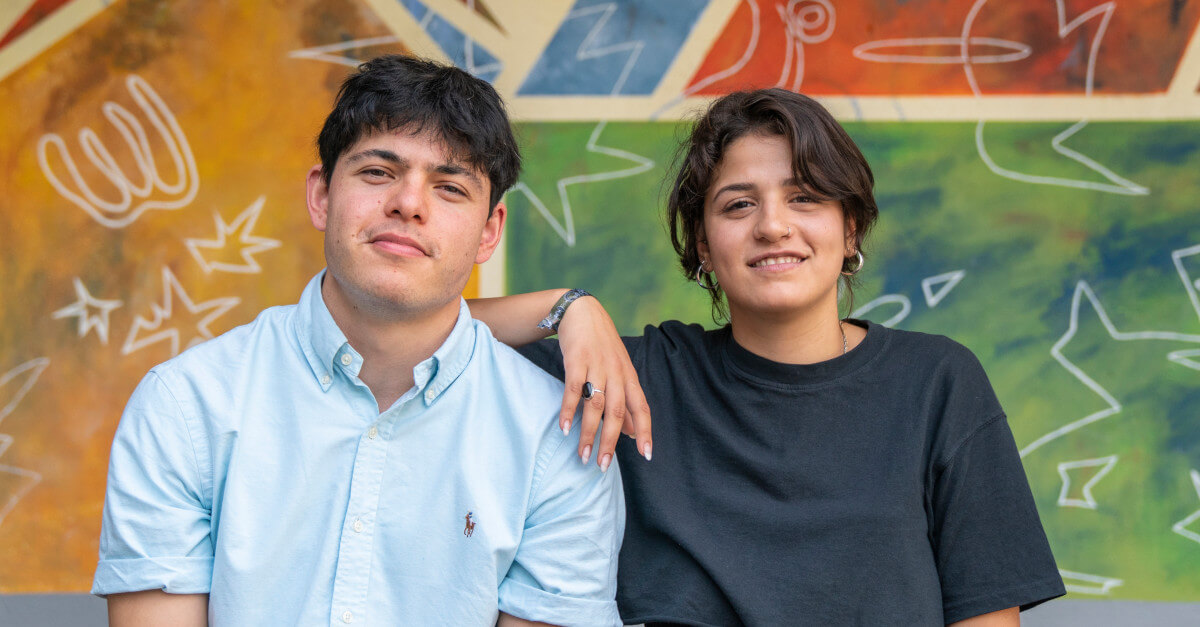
x,y
845,345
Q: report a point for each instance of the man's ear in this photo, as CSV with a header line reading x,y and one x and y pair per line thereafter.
x,y
317,194
492,230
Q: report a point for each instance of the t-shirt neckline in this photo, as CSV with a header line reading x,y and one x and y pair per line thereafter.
x,y
763,369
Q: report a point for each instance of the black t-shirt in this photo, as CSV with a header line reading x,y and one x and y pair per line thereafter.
x,y
882,487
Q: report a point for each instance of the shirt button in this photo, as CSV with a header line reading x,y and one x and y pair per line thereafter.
x,y
347,616
346,359
358,526
429,395
372,432
326,379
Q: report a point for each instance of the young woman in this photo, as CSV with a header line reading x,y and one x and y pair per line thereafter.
x,y
806,469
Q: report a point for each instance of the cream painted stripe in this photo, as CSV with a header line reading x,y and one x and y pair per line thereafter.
x,y
11,11
1187,75
886,109
702,38
407,29
48,32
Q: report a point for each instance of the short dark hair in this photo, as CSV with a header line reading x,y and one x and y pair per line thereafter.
x,y
397,91
823,157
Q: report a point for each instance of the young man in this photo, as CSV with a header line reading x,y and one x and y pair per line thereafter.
x,y
370,455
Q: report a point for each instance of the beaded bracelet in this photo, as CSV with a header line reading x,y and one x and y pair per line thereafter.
x,y
555,316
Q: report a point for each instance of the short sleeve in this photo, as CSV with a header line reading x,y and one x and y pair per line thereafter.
x,y
565,570
991,550
155,532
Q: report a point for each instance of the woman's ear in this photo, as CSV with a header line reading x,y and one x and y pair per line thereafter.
x,y
851,237
702,245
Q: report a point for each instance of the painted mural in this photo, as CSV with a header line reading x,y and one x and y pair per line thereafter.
x,y
1042,211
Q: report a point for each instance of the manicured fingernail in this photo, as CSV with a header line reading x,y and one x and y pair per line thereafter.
x,y
646,451
604,462
566,427
586,454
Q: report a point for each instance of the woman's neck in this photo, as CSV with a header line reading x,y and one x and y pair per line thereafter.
x,y
803,337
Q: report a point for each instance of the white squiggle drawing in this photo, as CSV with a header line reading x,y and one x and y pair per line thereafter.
x,y
241,226
323,53
747,54
947,281
905,308
31,370
1181,526
1083,290
805,22
566,229
82,308
1016,51
587,51
123,212
1084,583
172,290
1189,284
1088,501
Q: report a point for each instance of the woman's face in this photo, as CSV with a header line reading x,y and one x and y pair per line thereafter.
x,y
775,249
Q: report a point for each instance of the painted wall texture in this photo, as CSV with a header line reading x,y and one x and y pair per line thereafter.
x,y
1036,166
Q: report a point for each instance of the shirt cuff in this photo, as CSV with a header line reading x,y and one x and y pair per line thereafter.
x,y
175,575
524,601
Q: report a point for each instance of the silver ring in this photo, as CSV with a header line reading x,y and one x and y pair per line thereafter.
x,y
590,390
789,232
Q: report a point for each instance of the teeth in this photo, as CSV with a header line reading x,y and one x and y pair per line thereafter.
x,y
770,261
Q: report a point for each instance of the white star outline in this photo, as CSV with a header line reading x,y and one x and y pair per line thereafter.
x,y
1181,526
1088,501
171,285
82,306
31,371
242,225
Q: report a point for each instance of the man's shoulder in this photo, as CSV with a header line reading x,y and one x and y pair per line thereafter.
x,y
228,352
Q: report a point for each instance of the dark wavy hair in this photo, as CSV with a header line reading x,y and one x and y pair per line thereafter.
x,y
401,92
824,158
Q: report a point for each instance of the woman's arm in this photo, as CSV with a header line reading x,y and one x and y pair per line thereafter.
x,y
155,607
1002,618
592,352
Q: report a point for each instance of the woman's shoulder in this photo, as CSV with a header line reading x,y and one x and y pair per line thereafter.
x,y
674,336
929,349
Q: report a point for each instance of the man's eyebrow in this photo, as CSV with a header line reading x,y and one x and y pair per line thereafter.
x,y
386,155
455,169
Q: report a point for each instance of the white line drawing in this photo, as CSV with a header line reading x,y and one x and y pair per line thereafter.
x,y
469,52
905,308
1186,357
1181,526
566,228
173,290
242,225
115,215
323,53
755,29
81,309
1083,290
947,281
805,22
1084,583
1016,51
586,51
31,370
27,480
1088,502
1189,284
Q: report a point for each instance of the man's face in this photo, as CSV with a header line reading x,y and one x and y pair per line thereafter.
x,y
404,224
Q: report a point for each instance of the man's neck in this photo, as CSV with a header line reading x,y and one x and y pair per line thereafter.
x,y
390,346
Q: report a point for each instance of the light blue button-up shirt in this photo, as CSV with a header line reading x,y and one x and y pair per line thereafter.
x,y
257,468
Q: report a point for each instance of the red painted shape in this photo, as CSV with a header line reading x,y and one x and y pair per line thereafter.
x,y
37,12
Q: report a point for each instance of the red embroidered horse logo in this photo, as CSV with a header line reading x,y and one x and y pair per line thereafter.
x,y
470,528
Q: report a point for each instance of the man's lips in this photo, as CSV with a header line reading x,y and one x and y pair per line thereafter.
x,y
397,244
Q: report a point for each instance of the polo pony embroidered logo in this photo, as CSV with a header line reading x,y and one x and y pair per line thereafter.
x,y
470,528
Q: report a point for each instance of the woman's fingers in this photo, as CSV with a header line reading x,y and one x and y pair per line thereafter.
x,y
593,409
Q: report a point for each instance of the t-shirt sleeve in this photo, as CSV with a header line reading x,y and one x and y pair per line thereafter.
x,y
155,531
991,550
565,569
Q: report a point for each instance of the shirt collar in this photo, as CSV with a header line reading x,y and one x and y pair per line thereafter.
x,y
326,348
